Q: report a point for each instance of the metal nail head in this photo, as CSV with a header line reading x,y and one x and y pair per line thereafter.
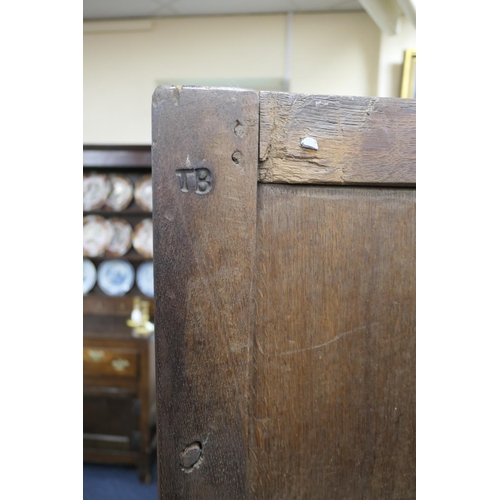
x,y
309,143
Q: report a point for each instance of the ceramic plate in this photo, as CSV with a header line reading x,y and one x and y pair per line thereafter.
x,y
115,277
122,238
144,193
144,278
97,235
96,188
142,239
121,194
89,275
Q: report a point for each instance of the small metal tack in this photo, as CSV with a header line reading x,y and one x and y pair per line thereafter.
x,y
309,143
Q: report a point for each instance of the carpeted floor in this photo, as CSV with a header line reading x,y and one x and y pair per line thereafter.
x,y
116,482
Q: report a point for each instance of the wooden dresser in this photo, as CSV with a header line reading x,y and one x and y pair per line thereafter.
x,y
119,418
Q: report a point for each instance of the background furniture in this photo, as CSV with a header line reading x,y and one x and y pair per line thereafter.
x,y
119,422
284,295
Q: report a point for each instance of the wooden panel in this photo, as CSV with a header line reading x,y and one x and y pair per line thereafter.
x,y
110,457
110,416
104,442
361,140
334,362
113,307
204,213
105,362
119,388
104,313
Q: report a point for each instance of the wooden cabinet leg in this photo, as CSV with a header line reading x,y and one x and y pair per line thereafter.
x,y
144,469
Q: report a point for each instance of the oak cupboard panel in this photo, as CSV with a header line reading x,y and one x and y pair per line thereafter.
x,y
285,304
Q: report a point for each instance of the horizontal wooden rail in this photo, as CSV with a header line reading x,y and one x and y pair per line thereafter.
x,y
359,140
116,156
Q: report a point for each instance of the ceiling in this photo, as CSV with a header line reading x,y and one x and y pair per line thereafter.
x,y
124,9
385,13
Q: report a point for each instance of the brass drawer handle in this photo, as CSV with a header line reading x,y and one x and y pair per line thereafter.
x,y
120,364
96,356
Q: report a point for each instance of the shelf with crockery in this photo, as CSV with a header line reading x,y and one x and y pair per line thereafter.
x,y
117,232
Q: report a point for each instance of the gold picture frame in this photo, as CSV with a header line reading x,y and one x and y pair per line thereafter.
x,y
408,86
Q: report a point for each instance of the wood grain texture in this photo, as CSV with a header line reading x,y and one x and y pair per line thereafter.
x,y
361,140
333,414
205,144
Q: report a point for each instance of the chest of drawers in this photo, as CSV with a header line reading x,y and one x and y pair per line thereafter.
x,y
118,395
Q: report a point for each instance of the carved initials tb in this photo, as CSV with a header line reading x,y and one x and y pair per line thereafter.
x,y
199,180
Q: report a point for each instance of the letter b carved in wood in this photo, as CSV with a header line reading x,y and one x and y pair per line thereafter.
x,y
197,180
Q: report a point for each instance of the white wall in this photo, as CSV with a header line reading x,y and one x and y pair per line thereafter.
x,y
391,56
335,53
124,61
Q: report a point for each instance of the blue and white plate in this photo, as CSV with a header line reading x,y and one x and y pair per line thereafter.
x,y
144,278
115,277
89,275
